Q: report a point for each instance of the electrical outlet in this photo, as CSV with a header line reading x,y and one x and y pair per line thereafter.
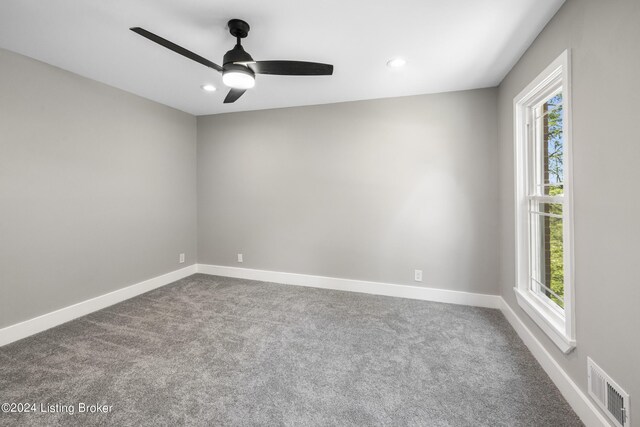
x,y
240,258
181,259
417,275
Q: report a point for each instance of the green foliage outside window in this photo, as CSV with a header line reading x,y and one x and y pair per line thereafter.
x,y
555,145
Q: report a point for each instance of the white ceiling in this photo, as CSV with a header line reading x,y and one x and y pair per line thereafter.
x,y
449,45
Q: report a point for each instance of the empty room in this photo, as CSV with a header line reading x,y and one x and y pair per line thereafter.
x,y
335,213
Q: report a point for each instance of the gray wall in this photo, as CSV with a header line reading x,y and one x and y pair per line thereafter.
x,y
365,190
97,188
604,37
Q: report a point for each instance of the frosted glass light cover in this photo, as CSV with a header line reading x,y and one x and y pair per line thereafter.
x,y
238,80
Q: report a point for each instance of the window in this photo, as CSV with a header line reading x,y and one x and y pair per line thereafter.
x,y
544,276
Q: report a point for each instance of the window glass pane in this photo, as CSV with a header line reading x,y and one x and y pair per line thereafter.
x,y
547,252
549,147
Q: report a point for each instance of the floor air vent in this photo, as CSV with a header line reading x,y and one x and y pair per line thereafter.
x,y
608,395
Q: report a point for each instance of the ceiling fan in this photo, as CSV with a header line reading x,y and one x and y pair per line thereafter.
x,y
238,67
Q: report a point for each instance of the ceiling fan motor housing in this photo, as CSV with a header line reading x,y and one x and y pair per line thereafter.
x,y
237,54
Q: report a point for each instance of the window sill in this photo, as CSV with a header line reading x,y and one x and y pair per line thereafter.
x,y
549,322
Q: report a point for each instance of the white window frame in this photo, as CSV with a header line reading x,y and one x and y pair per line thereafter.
x,y
558,324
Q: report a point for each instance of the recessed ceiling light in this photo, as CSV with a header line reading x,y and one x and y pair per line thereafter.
x,y
208,88
396,63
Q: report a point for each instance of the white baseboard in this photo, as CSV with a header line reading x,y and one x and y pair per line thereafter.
x,y
376,288
581,404
46,321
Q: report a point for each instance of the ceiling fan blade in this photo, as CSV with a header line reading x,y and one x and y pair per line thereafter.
x,y
292,68
233,95
174,47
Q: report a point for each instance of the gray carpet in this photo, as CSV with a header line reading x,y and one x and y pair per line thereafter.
x,y
210,350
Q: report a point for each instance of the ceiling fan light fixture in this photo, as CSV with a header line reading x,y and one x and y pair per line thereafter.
x,y
238,77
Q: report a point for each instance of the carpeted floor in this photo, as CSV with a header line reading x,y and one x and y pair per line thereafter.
x,y
209,350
